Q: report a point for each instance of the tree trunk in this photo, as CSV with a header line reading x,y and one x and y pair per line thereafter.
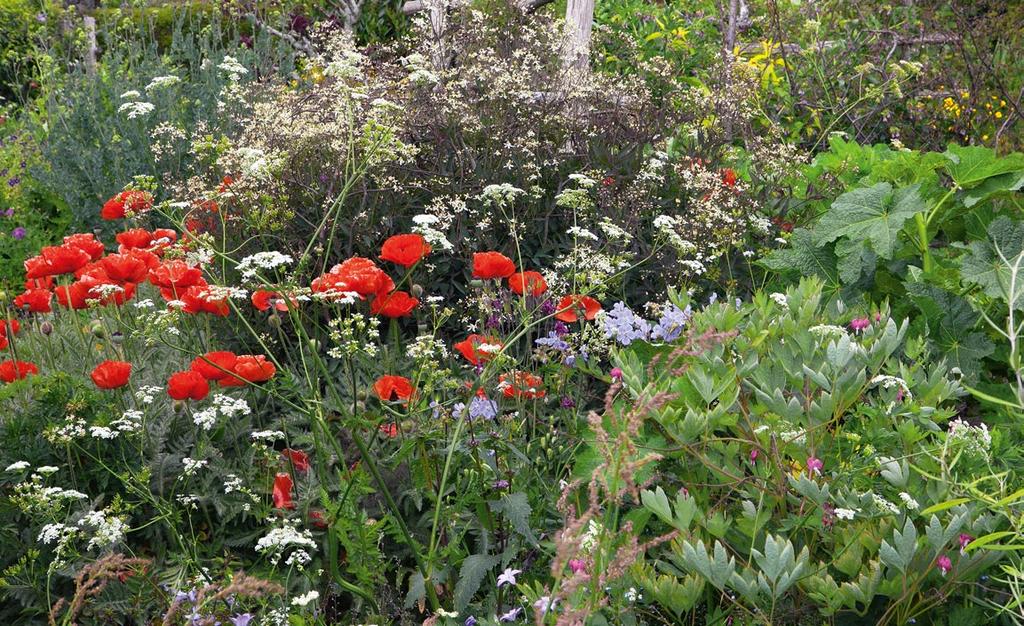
x,y
89,22
579,22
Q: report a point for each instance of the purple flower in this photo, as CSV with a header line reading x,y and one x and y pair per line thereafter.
x,y
561,328
815,465
508,577
545,604
944,564
478,407
500,484
623,325
470,621
548,307
9,212
241,619
567,402
552,341
671,324
19,233
512,615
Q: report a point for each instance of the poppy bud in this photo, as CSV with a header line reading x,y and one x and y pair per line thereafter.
x,y
361,396
46,328
314,345
117,337
96,328
3,296
274,320
476,283
179,406
416,291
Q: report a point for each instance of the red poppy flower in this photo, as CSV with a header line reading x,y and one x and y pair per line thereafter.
x,y
356,275
36,267
470,347
729,177
488,265
73,296
86,242
316,520
4,342
62,260
111,374
130,267
36,300
395,304
97,285
283,491
133,239
390,388
389,430
187,385
254,368
298,458
9,327
262,299
214,365
530,282
43,282
521,385
174,277
199,299
118,206
405,250
569,307
11,371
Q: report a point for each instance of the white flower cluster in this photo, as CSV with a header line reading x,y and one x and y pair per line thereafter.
x,y
501,195
425,225
223,406
191,466
305,599
136,109
146,394
278,540
973,439
888,382
160,82
72,428
826,331
252,264
909,501
107,530
267,435
426,348
233,68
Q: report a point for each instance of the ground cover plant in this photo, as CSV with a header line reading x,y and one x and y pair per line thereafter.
x,y
438,313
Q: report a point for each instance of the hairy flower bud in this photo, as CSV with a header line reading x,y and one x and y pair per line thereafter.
x,y
46,328
96,328
416,291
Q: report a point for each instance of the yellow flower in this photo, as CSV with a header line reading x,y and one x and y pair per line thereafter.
x,y
999,114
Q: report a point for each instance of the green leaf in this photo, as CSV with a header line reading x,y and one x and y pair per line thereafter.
x,y
970,165
874,214
942,506
516,508
994,187
803,256
983,266
952,321
987,539
474,568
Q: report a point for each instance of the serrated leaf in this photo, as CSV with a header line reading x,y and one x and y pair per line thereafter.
x,y
474,568
983,266
516,509
874,214
970,165
803,256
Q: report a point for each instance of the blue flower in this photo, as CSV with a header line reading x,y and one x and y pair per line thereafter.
x,y
241,619
553,341
512,615
623,325
671,324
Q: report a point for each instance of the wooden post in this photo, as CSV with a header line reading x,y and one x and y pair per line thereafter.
x,y
438,12
579,22
89,22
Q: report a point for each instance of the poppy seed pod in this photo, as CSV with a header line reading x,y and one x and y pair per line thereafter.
x,y
46,328
96,328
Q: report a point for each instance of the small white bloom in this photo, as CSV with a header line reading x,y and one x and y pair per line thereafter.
x,y
17,466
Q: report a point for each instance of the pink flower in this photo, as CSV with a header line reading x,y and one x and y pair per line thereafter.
x,y
815,465
965,539
616,374
944,564
577,566
858,324
753,455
